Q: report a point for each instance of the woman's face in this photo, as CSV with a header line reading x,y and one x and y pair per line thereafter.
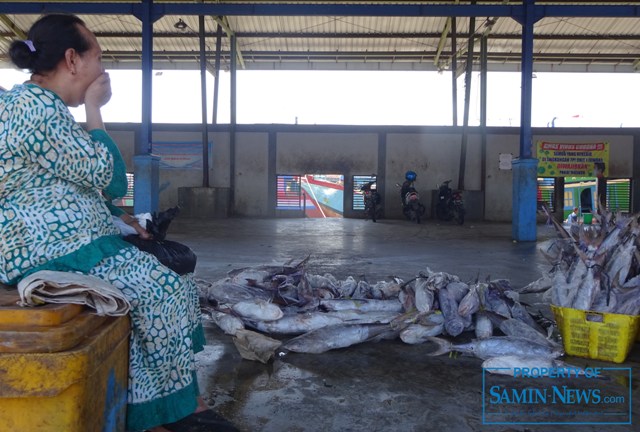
x,y
88,66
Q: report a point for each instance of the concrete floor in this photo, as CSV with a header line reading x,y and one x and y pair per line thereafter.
x,y
384,386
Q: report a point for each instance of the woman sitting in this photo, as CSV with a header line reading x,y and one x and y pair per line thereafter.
x,y
53,178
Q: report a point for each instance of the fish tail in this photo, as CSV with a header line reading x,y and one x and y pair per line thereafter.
x,y
443,346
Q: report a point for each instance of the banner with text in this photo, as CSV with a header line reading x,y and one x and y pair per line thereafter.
x,y
573,159
180,154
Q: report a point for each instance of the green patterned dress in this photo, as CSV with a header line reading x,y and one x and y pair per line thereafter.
x,y
53,175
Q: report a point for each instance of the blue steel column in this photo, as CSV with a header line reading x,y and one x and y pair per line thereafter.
x,y
216,83
232,129
525,168
146,166
203,97
454,70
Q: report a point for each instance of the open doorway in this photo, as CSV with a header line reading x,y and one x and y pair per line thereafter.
x,y
323,195
310,195
581,192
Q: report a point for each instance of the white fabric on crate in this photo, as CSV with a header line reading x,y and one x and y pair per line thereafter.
x,y
48,286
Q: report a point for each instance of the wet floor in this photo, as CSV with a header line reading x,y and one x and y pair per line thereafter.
x,y
382,386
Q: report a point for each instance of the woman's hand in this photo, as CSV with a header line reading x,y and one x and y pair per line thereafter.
x,y
98,94
133,223
99,91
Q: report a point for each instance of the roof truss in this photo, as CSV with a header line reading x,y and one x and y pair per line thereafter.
x,y
587,35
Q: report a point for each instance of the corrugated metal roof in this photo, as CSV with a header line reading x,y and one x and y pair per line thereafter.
x,y
291,41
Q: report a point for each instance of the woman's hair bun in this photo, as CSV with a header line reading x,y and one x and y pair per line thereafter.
x,y
21,54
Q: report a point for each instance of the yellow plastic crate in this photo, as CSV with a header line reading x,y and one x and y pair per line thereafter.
x,y
82,389
596,335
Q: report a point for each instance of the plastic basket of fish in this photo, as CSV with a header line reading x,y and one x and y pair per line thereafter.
x,y
596,335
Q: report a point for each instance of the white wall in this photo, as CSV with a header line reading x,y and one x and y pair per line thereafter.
x,y
499,183
327,153
252,181
432,152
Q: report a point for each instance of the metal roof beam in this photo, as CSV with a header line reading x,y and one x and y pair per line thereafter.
x,y
433,10
262,35
443,40
76,8
396,35
399,35
324,9
224,23
377,55
15,30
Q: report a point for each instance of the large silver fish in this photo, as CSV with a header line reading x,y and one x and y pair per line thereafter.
x,y
622,227
519,312
418,333
431,325
483,325
230,293
496,302
587,289
424,295
458,290
257,309
559,291
295,323
516,328
539,285
437,280
470,303
454,324
407,298
362,291
629,305
347,287
228,323
574,277
496,347
619,264
333,337
386,289
298,323
365,305
356,316
256,276
633,282
328,281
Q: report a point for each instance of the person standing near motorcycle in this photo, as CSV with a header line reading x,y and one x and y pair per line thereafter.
x,y
450,205
411,206
372,198
410,177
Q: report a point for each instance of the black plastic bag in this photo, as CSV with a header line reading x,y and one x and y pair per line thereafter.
x,y
159,223
178,257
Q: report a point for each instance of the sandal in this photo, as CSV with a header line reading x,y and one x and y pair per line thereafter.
x,y
203,421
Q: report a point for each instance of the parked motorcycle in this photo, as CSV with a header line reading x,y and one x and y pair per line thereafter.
x,y
450,205
372,200
412,208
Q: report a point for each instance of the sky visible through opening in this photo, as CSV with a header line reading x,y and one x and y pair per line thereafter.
x,y
372,98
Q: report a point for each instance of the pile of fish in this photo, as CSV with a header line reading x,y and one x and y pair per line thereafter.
x,y
311,313
594,267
